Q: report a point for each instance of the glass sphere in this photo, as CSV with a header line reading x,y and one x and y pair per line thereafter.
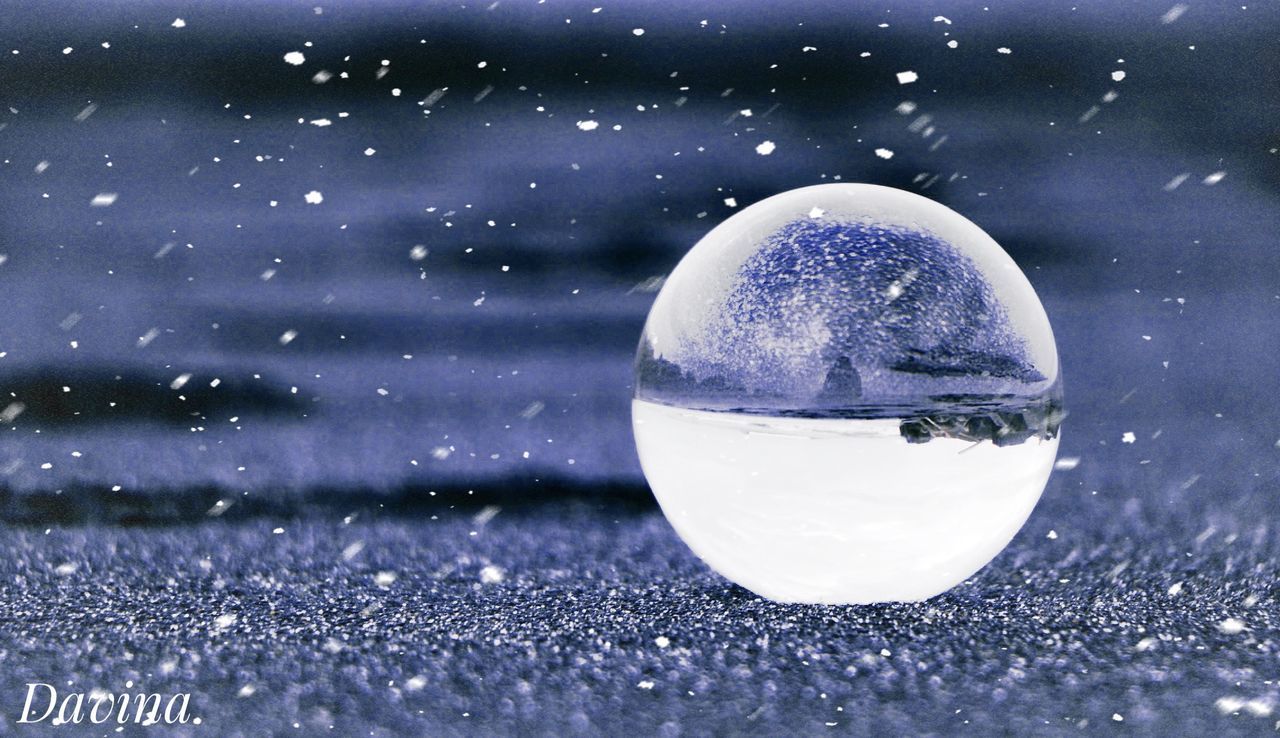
x,y
847,394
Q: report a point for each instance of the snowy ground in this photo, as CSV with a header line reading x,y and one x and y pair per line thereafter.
x,y
380,385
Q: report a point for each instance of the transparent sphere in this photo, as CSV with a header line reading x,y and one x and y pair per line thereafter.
x,y
847,394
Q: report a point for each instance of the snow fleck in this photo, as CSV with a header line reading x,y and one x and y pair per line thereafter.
x,y
68,50
321,122
1067,463
942,19
731,202
418,252
646,684
222,622
1231,626
103,199
1128,437
322,76
11,412
1146,644
180,381
87,111
1004,50
1117,717
313,197
440,453
906,107
148,337
637,31
492,574
1214,178
1052,535
295,58
1228,704
1176,182
352,550
486,514
66,569
765,148
416,683
884,153
1174,13
1175,590
370,151
588,125
952,44
907,77
1117,75
287,337
384,578
816,212
662,641
178,23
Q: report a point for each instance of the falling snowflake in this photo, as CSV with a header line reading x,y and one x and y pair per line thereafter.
x,y
907,77
884,153
1174,13
587,125
295,58
313,197
765,148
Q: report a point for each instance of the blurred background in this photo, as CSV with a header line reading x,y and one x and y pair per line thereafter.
x,y
268,267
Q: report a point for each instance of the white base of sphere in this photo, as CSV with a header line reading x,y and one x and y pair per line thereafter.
x,y
835,511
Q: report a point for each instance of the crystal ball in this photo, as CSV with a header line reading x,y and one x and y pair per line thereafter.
x,y
847,394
